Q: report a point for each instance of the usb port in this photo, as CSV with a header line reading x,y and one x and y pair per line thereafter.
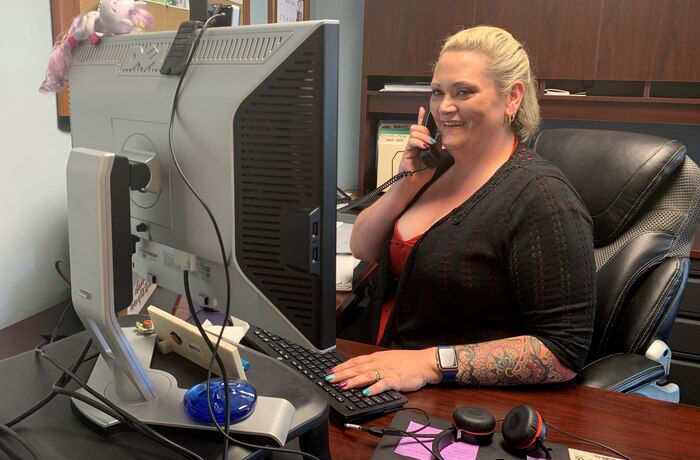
x,y
314,255
314,229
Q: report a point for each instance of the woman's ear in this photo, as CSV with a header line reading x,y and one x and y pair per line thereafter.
x,y
515,97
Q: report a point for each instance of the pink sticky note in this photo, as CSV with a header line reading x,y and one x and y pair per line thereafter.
x,y
409,447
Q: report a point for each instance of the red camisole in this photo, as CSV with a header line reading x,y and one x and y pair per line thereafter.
x,y
398,253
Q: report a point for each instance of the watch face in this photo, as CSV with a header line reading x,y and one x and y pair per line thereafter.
x,y
448,358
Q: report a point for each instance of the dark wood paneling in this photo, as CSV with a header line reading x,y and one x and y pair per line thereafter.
x,y
559,35
676,50
403,37
649,40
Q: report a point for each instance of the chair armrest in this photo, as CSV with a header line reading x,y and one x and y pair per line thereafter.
x,y
622,373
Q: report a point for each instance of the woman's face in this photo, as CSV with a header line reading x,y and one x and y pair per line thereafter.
x,y
466,105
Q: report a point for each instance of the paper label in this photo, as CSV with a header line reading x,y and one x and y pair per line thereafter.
x,y
575,454
421,449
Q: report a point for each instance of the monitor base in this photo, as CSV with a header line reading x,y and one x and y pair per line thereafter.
x,y
270,421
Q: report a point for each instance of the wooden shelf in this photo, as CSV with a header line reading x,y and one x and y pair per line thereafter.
x,y
379,105
598,108
624,109
396,102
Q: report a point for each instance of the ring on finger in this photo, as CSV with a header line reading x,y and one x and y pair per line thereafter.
x,y
377,375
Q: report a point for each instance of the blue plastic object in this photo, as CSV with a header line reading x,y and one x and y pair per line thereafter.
x,y
242,399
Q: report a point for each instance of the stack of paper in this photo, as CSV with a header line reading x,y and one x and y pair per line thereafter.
x,y
419,86
345,263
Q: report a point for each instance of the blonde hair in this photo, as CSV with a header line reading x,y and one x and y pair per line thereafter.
x,y
508,63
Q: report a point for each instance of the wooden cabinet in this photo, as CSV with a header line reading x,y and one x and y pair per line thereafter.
x,y
639,60
559,35
403,37
654,40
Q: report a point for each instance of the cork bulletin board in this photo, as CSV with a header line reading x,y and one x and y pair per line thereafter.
x,y
164,18
169,18
288,10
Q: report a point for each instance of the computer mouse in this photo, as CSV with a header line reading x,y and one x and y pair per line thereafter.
x,y
242,399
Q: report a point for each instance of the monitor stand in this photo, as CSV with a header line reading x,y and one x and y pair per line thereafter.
x,y
100,241
270,421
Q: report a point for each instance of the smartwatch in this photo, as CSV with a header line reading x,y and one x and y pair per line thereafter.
x,y
447,363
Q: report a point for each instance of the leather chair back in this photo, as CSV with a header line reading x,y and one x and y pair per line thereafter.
x,y
643,194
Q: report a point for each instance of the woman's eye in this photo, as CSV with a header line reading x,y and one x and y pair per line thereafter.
x,y
464,92
436,92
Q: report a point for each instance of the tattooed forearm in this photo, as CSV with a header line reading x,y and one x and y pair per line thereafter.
x,y
513,361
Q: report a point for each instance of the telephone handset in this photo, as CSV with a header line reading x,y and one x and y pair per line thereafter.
x,y
430,156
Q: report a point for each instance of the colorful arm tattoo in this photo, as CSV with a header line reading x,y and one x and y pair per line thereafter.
x,y
512,361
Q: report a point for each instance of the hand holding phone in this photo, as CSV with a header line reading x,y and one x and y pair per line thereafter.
x,y
430,156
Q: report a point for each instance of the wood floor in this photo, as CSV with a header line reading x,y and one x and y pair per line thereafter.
x,y
25,335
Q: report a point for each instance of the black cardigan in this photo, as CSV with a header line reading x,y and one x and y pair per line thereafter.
x,y
516,258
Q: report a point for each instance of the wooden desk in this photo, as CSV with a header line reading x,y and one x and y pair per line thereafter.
x,y
695,247
638,427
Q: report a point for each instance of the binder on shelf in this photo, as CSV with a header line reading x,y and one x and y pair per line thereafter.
x,y
392,136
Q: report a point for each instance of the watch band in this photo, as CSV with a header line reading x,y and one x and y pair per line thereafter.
x,y
448,367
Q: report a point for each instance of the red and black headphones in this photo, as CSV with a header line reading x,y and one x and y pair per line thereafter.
x,y
523,429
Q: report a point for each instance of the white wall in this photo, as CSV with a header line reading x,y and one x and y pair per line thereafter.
x,y
33,156
350,13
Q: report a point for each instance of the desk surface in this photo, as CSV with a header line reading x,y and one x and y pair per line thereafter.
x,y
636,426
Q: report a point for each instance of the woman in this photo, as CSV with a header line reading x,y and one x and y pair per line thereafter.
x,y
488,257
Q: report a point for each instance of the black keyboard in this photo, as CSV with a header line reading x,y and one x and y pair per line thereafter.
x,y
346,406
341,196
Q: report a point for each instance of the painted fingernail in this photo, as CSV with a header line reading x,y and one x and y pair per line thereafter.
x,y
329,377
366,392
432,141
330,371
342,384
425,146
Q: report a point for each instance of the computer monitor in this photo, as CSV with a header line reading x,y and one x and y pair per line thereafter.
x,y
255,134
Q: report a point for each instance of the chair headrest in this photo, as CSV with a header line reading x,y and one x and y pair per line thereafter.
x,y
614,172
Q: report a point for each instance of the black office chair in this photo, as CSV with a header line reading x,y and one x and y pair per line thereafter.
x,y
644,196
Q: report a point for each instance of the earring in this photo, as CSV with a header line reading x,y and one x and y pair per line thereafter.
x,y
508,119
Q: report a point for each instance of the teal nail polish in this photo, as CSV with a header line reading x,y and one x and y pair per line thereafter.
x,y
432,141
329,377
365,392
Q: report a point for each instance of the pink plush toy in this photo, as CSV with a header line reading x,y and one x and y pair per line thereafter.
x,y
113,17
